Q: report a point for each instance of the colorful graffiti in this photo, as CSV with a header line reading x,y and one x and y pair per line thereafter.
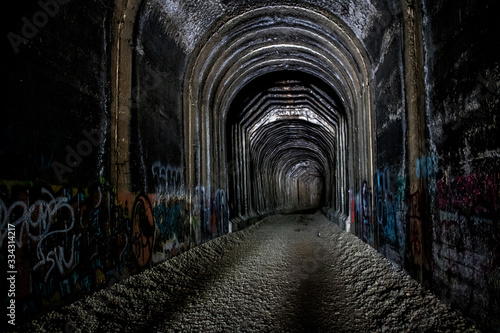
x,y
67,239
367,232
142,230
70,241
211,211
169,217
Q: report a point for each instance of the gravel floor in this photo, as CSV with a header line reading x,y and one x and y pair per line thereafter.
x,y
287,273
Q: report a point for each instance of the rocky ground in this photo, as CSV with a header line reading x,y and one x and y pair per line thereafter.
x,y
287,273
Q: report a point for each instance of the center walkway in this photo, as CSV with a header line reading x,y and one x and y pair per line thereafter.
x,y
287,273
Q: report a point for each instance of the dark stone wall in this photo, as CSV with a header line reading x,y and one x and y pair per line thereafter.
x,y
57,77
157,121
389,179
387,224
54,153
463,80
460,168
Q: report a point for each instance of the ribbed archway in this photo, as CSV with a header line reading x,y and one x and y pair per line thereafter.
x,y
278,113
289,124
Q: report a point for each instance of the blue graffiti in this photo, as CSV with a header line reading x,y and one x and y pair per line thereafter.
x,y
388,206
426,166
169,219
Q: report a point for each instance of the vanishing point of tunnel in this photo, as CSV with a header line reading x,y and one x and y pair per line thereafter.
x,y
250,166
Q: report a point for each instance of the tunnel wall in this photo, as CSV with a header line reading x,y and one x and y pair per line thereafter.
x,y
455,250
95,173
76,230
380,208
156,139
462,78
54,164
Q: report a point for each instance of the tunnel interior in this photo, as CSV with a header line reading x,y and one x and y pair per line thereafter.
x,y
278,113
135,131
281,133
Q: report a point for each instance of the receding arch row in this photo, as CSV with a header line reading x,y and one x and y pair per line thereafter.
x,y
293,137
289,39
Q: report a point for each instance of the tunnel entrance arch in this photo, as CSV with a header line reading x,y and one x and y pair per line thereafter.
x,y
277,39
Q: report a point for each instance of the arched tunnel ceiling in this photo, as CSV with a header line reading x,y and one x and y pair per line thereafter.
x,y
296,125
187,20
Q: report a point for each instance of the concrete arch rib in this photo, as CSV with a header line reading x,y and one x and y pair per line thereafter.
x,y
268,40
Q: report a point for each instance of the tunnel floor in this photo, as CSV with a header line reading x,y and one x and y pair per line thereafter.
x,y
287,273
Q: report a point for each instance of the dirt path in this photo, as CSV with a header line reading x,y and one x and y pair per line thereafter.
x,y
288,273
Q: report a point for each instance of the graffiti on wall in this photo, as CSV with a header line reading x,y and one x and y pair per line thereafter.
x,y
173,230
49,223
169,217
142,230
67,240
474,193
366,226
171,227
211,211
426,166
389,207
467,217
71,241
168,181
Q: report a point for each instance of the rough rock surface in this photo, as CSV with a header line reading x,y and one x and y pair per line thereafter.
x,y
287,273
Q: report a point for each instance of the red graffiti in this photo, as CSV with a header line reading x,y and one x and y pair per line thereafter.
x,y
143,230
475,192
